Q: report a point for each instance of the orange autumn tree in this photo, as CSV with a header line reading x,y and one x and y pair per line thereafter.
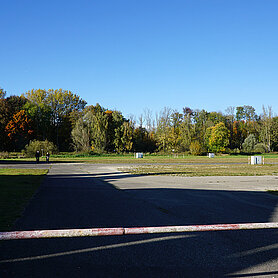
x,y
19,129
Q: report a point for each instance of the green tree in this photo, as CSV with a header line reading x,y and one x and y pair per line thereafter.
x,y
200,121
217,138
249,143
260,148
175,131
104,130
62,104
274,134
123,137
143,140
187,128
266,121
114,131
163,130
195,148
98,124
40,114
246,113
230,119
240,113
81,136
2,93
239,134
214,118
41,146
127,138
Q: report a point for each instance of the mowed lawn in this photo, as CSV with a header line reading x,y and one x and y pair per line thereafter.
x,y
162,159
204,170
17,186
148,158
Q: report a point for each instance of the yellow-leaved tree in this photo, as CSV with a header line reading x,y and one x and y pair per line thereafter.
x,y
217,137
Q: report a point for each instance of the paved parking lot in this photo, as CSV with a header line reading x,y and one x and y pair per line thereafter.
x,y
76,195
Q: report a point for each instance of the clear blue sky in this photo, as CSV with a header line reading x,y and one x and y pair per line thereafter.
x,y
135,54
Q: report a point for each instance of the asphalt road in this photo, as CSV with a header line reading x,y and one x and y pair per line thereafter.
x,y
86,195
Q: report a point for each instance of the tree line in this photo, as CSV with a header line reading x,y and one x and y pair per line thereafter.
x,y
64,119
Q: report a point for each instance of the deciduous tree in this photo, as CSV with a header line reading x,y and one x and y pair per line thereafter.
x,y
81,136
217,138
274,134
62,103
19,130
249,143
2,93
266,120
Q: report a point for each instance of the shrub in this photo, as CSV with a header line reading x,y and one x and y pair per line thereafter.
x,y
260,148
195,148
235,151
35,145
4,155
249,143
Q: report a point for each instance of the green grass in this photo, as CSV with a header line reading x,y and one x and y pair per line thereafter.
x,y
204,170
17,186
155,158
148,158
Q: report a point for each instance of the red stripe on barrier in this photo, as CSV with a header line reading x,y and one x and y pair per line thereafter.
x,y
129,231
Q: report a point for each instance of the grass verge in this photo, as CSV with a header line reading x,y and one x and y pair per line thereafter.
x,y
204,170
17,186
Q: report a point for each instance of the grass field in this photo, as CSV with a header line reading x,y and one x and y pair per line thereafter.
x,y
151,158
205,170
17,186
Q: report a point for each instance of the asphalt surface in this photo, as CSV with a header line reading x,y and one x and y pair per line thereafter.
x,y
86,195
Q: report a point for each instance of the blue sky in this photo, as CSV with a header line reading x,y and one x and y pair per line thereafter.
x,y
135,54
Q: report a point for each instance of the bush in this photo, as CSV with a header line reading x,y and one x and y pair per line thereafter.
x,y
249,144
4,155
195,148
233,151
260,148
35,145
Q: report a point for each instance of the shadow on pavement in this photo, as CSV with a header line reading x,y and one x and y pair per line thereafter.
x,y
83,201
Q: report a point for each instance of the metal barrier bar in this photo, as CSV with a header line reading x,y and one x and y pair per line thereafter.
x,y
132,231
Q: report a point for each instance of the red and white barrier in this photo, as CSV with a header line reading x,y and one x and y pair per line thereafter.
x,y
130,231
